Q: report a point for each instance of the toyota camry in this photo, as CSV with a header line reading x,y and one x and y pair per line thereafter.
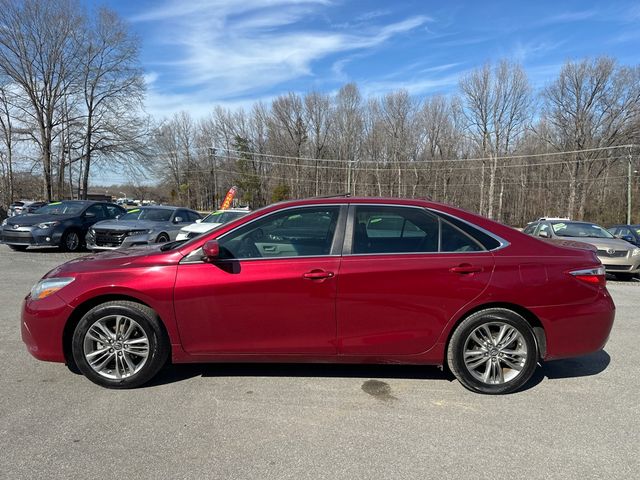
x,y
350,280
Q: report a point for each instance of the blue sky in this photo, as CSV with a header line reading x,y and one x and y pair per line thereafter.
x,y
200,53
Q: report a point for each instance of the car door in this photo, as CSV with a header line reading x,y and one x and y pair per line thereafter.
x,y
95,213
405,273
273,290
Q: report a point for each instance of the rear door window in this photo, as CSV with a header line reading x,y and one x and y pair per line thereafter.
x,y
387,229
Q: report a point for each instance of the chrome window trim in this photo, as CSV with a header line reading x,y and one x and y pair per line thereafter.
x,y
503,243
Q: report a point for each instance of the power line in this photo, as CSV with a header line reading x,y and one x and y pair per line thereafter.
x,y
416,164
355,162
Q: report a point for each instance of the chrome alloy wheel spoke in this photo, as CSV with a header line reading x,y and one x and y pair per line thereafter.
x,y
495,353
116,347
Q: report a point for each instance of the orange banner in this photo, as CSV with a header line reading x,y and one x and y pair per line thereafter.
x,y
228,198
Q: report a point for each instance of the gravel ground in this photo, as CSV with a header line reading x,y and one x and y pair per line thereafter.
x,y
576,419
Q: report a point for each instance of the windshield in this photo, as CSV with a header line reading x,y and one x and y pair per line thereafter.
x,y
151,214
575,229
223,217
61,208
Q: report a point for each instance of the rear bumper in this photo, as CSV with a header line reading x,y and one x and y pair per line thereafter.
x,y
575,330
42,326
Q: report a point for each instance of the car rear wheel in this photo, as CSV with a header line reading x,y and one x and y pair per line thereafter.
x,y
120,344
70,241
493,351
18,248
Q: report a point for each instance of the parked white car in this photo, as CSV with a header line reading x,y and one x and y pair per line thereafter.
x,y
210,222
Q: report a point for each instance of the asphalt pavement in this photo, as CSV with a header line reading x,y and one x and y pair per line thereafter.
x,y
577,419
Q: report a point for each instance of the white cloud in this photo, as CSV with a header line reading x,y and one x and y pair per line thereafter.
x,y
227,49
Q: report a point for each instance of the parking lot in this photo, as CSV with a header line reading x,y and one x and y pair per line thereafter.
x,y
577,418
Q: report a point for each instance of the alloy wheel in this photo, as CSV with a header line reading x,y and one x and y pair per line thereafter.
x,y
116,347
72,241
495,353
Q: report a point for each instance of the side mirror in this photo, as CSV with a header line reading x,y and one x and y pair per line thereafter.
x,y
89,215
177,220
199,220
211,250
117,217
544,234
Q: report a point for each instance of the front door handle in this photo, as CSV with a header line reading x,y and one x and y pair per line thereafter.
x,y
465,268
317,274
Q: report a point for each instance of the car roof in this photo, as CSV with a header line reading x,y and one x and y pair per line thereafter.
x,y
344,199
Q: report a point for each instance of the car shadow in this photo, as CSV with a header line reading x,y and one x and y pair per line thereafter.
x,y
584,366
571,368
180,372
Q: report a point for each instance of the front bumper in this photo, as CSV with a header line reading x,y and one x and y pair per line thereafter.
x,y
615,263
42,327
30,237
114,241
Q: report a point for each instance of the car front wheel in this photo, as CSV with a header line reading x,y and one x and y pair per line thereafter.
x,y
120,344
71,241
493,351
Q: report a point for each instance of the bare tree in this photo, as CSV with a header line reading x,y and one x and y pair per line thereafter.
x,y
592,104
495,105
39,54
112,89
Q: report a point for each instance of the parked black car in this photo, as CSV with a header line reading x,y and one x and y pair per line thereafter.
x,y
58,224
630,233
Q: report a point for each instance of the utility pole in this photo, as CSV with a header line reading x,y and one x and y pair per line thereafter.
x,y
212,157
629,171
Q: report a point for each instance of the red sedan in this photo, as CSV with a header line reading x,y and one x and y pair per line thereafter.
x,y
351,280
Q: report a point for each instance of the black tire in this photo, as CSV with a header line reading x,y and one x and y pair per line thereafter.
x,y
71,241
147,320
491,318
18,248
162,238
625,277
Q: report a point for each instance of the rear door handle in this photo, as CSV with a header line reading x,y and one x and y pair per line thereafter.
x,y
465,268
317,275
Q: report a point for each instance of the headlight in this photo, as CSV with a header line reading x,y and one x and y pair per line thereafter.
x,y
635,252
46,225
49,286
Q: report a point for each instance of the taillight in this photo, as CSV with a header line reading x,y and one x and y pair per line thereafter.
x,y
594,276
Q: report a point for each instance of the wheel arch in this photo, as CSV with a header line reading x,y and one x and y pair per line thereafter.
x,y
536,325
83,308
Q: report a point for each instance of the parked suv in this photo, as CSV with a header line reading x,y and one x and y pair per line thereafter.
x,y
24,206
618,256
58,224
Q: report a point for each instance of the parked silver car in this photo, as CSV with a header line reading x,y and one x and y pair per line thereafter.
x,y
618,256
140,226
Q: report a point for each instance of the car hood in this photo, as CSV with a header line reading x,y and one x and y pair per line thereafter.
x,y
201,227
126,225
602,243
145,255
33,219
